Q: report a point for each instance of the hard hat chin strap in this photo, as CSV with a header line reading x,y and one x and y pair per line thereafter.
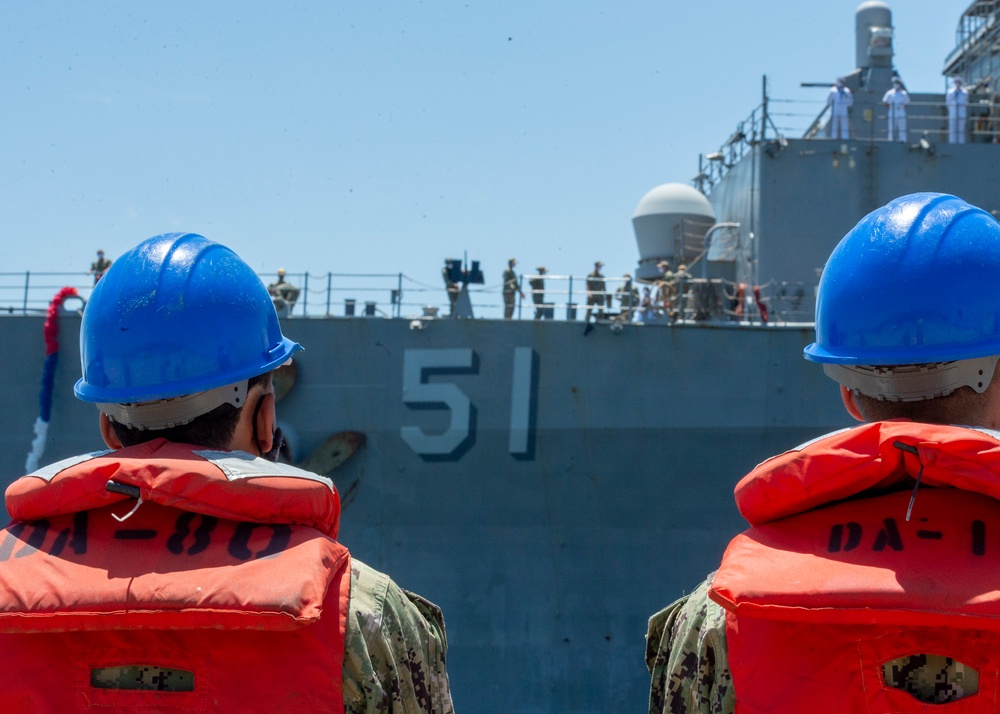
x,y
175,411
914,382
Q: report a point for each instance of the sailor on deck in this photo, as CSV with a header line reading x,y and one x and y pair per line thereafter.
x,y
596,292
511,287
100,266
451,286
957,100
628,296
840,100
867,581
537,285
895,101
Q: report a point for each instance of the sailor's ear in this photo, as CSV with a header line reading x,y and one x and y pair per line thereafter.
x,y
850,404
266,421
108,434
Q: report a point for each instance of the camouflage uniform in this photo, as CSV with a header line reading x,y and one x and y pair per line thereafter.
x,y
99,267
537,284
596,294
281,289
394,649
687,657
688,660
510,286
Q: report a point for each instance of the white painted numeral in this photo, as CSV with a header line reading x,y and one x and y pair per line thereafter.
x,y
523,393
451,444
418,393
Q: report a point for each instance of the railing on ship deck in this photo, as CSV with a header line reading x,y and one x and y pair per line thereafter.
x,y
775,120
397,295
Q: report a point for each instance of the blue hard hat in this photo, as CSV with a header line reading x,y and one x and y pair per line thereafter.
x,y
916,281
176,315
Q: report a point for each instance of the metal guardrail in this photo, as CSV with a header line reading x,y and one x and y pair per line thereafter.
x,y
775,120
317,295
565,297
30,293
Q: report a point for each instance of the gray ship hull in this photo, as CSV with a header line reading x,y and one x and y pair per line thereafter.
x,y
586,484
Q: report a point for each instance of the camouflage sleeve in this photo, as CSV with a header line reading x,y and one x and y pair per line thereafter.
x,y
687,658
932,679
394,653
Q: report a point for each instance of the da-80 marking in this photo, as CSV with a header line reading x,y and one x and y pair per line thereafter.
x,y
182,540
419,392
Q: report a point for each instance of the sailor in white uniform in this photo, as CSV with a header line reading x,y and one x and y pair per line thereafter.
x,y
895,101
840,100
957,100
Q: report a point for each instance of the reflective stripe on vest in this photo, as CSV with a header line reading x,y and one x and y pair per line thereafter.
x,y
818,600
224,484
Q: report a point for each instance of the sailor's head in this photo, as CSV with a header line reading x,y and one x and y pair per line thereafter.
x,y
906,313
281,272
957,81
540,270
100,253
179,329
897,83
512,262
840,82
598,265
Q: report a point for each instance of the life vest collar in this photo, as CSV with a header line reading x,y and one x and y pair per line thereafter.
x,y
224,484
878,455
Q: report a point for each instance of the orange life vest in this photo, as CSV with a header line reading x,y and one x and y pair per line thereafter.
x,y
225,590
832,580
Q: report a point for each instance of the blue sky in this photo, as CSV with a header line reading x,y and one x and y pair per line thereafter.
x,y
366,136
